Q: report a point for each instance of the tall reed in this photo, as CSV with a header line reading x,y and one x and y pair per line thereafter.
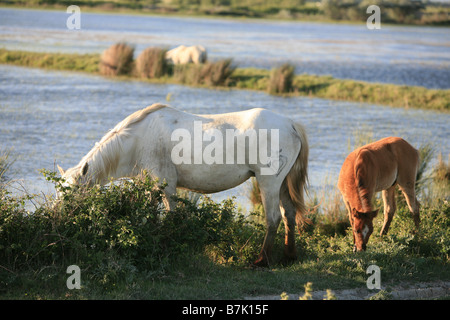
x,y
151,63
117,60
281,79
211,73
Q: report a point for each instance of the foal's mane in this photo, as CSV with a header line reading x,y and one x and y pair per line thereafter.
x,y
104,156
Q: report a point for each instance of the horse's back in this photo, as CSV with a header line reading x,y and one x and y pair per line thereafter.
x,y
385,151
184,55
393,151
229,171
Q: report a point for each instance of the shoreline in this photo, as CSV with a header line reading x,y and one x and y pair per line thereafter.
x,y
318,86
304,13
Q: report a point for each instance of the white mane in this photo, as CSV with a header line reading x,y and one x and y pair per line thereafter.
x,y
103,158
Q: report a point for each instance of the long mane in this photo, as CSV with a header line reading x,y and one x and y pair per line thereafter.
x,y
103,158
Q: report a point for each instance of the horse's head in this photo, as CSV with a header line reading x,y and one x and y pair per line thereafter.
x,y
74,176
362,225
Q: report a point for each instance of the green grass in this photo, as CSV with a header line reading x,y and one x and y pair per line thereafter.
x,y
325,261
128,248
55,61
224,74
328,87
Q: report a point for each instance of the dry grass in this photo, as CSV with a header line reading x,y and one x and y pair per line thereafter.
x,y
211,73
151,63
442,170
117,60
281,79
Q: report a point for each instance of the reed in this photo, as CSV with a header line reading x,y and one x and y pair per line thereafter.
x,y
151,63
281,79
117,60
210,74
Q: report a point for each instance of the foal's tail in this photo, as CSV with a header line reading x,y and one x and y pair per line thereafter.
x,y
297,178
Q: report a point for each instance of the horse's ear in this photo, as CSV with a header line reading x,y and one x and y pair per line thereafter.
x,y
61,170
85,168
355,213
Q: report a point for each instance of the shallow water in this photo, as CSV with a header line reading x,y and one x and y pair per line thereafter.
x,y
50,117
394,54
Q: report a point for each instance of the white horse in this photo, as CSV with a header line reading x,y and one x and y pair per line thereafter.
x,y
209,153
183,55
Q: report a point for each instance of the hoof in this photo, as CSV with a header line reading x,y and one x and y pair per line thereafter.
x,y
260,263
288,260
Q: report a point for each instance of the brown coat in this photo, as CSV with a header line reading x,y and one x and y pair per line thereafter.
x,y
378,166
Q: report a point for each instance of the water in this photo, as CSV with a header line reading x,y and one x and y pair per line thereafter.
x,y
394,54
51,117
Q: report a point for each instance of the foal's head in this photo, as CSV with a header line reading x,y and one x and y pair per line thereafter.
x,y
362,225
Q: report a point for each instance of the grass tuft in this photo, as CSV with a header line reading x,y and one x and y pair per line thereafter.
x,y
281,79
117,60
151,63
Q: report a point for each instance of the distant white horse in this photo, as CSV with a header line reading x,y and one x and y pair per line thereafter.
x,y
209,153
183,55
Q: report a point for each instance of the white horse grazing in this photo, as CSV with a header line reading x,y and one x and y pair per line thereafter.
x,y
209,153
183,55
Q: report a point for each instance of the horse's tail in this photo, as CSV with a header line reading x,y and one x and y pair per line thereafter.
x,y
297,178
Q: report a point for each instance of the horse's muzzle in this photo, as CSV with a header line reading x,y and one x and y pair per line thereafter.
x,y
363,248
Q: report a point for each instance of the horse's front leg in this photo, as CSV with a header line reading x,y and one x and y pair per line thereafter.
x,y
169,192
167,175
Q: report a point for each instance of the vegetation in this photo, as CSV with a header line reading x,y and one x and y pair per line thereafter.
x,y
210,73
393,11
225,73
117,60
280,80
151,63
129,247
55,61
5,164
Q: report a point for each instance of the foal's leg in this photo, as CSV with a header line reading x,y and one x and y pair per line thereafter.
x,y
271,201
389,208
288,213
413,204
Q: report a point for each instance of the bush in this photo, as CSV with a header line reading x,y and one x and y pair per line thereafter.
x,y
151,63
211,73
398,11
112,231
117,60
281,79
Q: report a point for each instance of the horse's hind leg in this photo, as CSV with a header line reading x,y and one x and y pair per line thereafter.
x,y
288,214
413,203
271,201
389,208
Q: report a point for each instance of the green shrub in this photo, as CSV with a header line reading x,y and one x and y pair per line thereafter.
x,y
116,230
